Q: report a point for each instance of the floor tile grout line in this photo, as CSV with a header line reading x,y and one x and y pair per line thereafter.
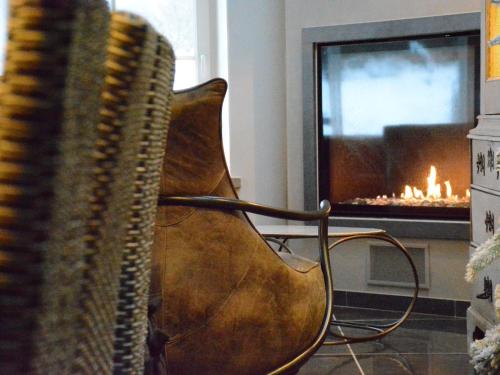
x,y
385,354
459,320
350,350
399,311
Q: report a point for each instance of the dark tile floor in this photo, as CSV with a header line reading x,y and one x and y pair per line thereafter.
x,y
424,345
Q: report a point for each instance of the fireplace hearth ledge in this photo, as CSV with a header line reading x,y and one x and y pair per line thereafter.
x,y
410,228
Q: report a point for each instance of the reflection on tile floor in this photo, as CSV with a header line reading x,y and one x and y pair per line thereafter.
x,y
424,345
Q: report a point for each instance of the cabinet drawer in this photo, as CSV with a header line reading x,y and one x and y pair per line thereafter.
x,y
485,307
484,159
485,214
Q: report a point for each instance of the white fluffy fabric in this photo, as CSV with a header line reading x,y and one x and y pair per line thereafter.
x,y
486,353
497,301
484,255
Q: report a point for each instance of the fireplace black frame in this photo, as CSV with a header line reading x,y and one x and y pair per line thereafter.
x,y
408,212
387,217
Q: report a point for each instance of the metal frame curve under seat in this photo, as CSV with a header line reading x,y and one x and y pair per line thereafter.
x,y
382,329
322,215
361,233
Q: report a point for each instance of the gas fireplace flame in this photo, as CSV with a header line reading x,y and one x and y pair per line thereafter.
x,y
433,191
449,191
434,196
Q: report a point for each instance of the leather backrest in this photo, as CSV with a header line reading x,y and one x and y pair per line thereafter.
x,y
194,163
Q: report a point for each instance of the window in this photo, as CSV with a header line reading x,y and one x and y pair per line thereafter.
x,y
4,9
177,20
190,25
197,31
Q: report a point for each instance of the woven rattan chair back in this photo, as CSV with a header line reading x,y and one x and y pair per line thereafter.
x,y
149,115
83,118
129,151
49,107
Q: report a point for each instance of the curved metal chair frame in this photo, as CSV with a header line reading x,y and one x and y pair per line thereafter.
x,y
283,245
324,258
382,329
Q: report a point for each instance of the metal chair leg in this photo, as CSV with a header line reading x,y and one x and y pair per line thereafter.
x,y
283,244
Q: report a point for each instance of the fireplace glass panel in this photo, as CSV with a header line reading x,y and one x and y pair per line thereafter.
x,y
393,125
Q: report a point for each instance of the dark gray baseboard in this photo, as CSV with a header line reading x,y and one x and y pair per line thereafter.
x,y
400,303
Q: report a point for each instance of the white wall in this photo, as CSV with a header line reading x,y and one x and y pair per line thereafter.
x,y
256,75
447,261
302,14
265,78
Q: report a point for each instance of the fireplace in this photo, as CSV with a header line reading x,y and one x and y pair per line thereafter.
x,y
387,107
392,113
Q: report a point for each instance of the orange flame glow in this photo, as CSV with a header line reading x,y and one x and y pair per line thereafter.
x,y
433,191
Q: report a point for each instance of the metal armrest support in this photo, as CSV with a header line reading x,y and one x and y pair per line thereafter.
x,y
322,215
237,204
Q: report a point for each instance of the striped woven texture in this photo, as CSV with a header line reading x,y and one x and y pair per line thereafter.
x,y
84,111
153,114
49,106
131,137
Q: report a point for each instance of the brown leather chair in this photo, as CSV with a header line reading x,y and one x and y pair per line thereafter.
x,y
229,303
84,112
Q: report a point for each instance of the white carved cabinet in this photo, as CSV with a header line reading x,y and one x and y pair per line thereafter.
x,y
485,189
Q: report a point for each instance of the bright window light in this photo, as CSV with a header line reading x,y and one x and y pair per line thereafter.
x,y
4,10
176,19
